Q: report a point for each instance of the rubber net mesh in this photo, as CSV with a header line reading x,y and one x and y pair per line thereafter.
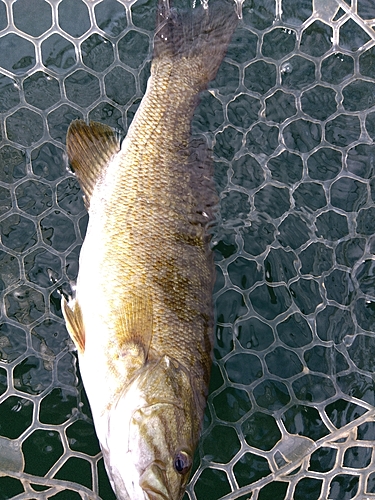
x,y
291,121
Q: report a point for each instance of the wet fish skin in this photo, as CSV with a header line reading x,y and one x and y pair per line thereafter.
x,y
142,314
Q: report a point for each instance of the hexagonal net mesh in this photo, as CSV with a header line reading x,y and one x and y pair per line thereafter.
x,y
290,117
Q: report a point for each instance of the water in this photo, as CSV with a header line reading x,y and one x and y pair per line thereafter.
x,y
290,120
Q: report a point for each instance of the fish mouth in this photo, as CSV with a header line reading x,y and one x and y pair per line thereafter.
x,y
153,482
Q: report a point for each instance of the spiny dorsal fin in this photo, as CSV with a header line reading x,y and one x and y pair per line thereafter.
x,y
74,323
90,148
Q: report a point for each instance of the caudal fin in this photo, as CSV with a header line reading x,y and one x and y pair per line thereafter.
x,y
199,35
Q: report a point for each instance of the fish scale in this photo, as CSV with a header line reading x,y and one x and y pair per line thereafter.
x,y
142,315
144,244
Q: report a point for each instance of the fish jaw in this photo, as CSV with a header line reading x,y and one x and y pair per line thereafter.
x,y
145,430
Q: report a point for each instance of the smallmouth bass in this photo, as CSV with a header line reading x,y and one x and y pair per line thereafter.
x,y
142,318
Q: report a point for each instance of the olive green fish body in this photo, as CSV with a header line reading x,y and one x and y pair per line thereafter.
x,y
147,236
142,315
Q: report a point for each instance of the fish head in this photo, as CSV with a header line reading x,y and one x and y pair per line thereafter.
x,y
152,433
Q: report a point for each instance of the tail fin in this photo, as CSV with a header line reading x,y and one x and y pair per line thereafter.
x,y
200,35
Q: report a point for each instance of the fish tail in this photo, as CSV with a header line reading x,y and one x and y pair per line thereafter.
x,y
200,35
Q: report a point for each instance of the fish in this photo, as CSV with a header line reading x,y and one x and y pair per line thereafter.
x,y
141,317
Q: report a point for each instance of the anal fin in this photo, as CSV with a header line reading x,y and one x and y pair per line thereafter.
x,y
90,148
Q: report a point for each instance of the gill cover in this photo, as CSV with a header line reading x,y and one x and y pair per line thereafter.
x,y
152,433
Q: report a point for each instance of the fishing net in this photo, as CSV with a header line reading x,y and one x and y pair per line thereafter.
x,y
291,120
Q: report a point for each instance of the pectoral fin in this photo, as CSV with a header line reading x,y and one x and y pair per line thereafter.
x,y
74,323
134,328
129,348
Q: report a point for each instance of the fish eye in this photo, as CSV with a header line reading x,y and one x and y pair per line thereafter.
x,y
182,462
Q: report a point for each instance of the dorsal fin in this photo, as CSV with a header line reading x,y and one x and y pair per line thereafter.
x,y
74,323
90,148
